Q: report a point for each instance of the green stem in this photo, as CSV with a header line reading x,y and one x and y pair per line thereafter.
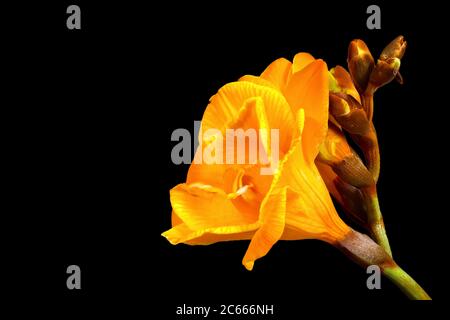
x,y
375,218
405,282
365,252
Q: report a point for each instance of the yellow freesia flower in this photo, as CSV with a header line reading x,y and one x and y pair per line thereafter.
x,y
221,202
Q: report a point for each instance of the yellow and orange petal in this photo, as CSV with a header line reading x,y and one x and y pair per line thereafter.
x,y
206,211
278,73
344,82
335,146
301,60
304,85
224,108
310,210
300,206
308,89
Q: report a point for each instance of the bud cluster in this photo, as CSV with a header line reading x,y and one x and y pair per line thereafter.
x,y
352,180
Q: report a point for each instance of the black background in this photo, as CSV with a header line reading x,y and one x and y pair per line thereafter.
x,y
93,113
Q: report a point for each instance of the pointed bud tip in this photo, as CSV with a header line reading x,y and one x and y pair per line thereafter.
x,y
357,48
395,49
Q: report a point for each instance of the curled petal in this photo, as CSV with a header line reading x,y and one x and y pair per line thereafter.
x,y
198,220
301,60
196,205
272,220
182,234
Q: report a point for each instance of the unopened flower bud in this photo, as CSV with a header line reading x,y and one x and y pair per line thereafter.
x,y
349,114
384,72
388,65
353,171
395,49
335,147
336,152
352,201
360,64
349,197
341,82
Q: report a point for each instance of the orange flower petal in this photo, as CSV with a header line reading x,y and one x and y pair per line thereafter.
x,y
278,73
182,234
175,219
273,211
197,206
309,207
335,147
253,114
308,89
259,81
345,82
211,174
225,107
301,60
328,176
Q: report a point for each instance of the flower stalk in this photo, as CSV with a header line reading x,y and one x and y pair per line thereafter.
x,y
364,251
405,283
375,218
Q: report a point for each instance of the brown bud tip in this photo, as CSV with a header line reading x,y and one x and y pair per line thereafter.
x,y
384,72
360,63
395,49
